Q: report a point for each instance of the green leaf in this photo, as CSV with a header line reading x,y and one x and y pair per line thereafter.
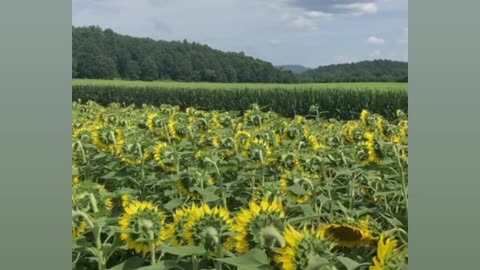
x,y
297,190
109,175
184,251
99,156
254,259
349,263
172,204
163,265
131,263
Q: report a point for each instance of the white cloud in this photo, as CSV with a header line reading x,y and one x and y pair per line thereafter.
x,y
358,9
307,20
375,54
375,40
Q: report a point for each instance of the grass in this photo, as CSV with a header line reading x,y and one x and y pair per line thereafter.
x,y
210,85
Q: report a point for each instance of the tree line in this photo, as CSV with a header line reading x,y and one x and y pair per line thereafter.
x,y
103,54
364,71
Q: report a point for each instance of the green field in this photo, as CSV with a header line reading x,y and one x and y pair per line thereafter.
x,y
332,100
209,85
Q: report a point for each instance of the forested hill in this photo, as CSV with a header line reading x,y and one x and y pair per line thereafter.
x,y
104,54
297,69
365,71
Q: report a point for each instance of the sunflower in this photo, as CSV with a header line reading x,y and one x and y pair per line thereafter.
x,y
288,162
228,147
151,121
161,152
105,138
215,122
314,143
132,154
257,223
126,200
185,184
370,147
297,185
242,139
259,150
304,250
385,248
208,226
81,196
75,181
143,225
78,227
267,190
80,132
349,131
380,127
177,228
347,235
172,130
364,117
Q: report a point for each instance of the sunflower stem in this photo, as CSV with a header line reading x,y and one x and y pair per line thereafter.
x,y
219,255
93,202
220,181
195,263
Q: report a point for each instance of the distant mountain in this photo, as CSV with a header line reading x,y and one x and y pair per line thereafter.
x,y
297,69
103,54
364,71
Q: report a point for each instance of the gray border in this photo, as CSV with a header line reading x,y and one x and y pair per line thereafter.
x,y
35,119
35,53
444,134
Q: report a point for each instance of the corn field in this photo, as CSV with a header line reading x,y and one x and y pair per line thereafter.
x,y
340,101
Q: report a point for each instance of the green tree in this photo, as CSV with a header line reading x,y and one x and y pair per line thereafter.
x,y
148,70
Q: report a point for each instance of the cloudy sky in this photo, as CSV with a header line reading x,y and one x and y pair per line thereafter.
x,y
305,32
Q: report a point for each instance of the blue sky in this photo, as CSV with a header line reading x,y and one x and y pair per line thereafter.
x,y
305,32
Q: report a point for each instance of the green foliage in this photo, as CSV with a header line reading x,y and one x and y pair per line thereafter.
x,y
119,155
365,71
342,101
104,54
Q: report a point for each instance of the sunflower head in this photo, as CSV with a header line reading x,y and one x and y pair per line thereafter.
x,y
242,139
304,250
388,256
187,182
260,225
350,132
298,186
288,162
104,137
176,230
227,147
259,150
208,227
368,151
90,197
143,224
78,227
132,153
75,181
268,190
346,234
364,117
164,156
81,133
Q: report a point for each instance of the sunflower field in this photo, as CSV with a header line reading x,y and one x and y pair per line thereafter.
x,y
160,188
